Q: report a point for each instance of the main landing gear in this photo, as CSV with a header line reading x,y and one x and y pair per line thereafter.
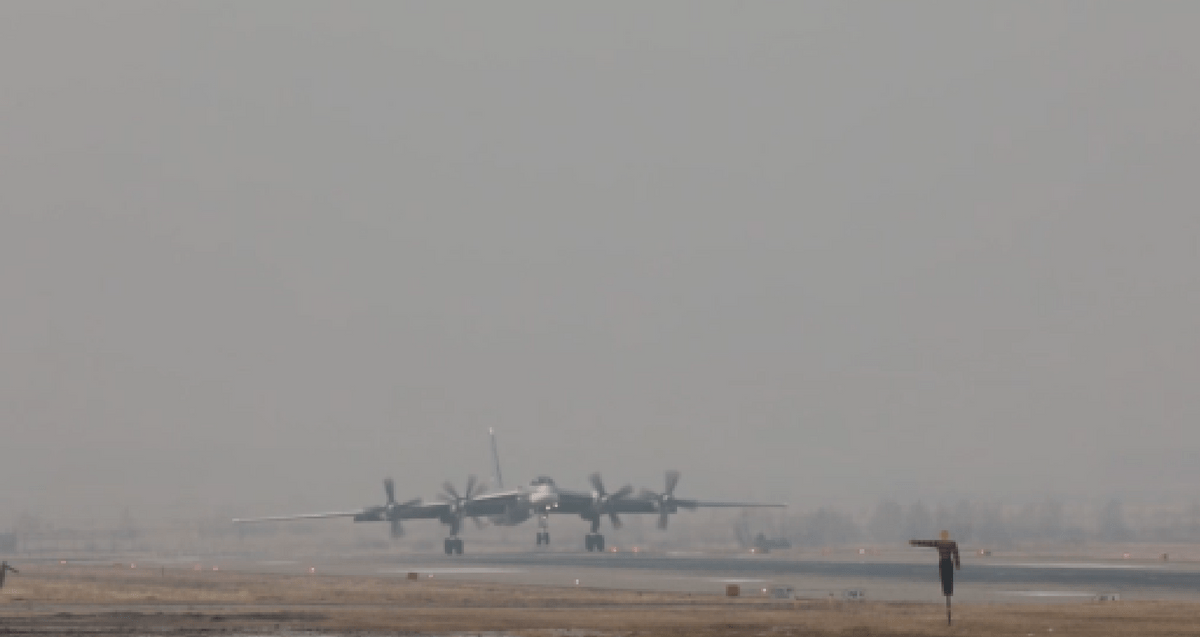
x,y
454,545
543,537
594,542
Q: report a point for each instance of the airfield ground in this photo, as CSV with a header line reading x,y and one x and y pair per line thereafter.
x,y
111,600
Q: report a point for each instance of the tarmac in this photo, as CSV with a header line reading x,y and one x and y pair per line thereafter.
x,y
986,580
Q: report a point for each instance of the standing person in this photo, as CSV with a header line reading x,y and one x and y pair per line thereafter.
x,y
948,562
4,569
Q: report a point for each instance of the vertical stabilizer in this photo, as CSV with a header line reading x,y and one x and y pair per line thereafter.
x,y
495,460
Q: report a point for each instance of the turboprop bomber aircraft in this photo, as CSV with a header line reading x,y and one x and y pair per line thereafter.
x,y
541,498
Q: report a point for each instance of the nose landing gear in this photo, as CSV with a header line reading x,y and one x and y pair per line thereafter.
x,y
543,534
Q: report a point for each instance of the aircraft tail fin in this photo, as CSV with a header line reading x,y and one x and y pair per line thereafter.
x,y
495,459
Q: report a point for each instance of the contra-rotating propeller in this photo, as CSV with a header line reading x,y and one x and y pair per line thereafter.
x,y
391,511
602,501
665,502
460,503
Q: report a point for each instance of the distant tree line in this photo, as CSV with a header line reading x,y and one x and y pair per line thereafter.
x,y
994,523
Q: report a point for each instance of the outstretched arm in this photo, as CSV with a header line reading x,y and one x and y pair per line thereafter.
x,y
929,543
957,563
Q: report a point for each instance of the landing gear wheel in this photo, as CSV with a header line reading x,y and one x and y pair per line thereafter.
x,y
594,542
546,538
449,546
458,546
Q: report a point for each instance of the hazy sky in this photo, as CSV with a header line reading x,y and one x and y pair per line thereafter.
x,y
263,254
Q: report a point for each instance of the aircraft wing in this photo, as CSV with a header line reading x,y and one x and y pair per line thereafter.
x,y
302,516
573,501
480,505
372,514
492,503
646,505
582,502
488,504
422,511
694,504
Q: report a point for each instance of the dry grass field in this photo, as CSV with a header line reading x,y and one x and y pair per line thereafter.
x,y
121,601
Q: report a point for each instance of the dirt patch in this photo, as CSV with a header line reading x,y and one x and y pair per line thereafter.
x,y
83,601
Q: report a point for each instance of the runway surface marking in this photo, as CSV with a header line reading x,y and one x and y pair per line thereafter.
x,y
1079,565
1049,593
464,570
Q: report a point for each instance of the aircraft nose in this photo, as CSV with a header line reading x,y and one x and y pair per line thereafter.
x,y
545,498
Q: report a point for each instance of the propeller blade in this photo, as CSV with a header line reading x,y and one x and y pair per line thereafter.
x,y
622,492
470,492
449,488
597,483
389,487
672,480
397,530
616,521
662,519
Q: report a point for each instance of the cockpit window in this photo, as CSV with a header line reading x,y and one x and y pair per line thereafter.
x,y
540,481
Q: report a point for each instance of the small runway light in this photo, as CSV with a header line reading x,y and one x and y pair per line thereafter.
x,y
862,551
62,561
577,582
216,569
1124,556
312,569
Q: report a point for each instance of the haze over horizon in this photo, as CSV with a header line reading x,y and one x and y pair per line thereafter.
x,y
258,256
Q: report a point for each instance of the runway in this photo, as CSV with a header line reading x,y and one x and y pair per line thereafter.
x,y
980,580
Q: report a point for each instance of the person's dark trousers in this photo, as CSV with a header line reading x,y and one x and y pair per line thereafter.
x,y
946,566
